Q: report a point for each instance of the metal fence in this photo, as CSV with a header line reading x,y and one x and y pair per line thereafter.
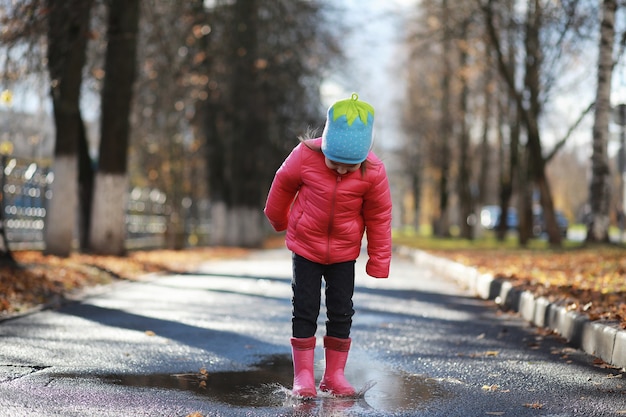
x,y
26,191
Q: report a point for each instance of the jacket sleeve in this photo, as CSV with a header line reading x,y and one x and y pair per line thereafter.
x,y
377,215
283,190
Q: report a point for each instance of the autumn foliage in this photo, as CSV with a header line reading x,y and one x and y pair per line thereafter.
x,y
39,280
588,280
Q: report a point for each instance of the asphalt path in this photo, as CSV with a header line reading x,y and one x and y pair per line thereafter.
x,y
216,343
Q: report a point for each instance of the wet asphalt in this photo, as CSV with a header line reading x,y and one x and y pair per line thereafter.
x,y
216,343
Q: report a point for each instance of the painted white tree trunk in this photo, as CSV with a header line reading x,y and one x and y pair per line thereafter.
x,y
239,226
108,214
219,225
244,227
600,188
62,213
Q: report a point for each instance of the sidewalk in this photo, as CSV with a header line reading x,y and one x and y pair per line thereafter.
x,y
597,338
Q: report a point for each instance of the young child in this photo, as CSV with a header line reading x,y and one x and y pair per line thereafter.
x,y
326,194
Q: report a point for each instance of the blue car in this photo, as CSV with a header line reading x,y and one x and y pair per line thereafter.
x,y
539,223
490,219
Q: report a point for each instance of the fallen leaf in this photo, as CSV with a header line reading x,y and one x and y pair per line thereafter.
x,y
534,405
495,413
493,387
150,333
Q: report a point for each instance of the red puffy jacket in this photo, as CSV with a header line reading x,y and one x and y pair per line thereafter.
x,y
326,214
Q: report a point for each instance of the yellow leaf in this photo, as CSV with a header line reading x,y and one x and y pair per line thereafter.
x,y
6,97
495,413
150,333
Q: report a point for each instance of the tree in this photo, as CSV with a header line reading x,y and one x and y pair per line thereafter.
x,y
27,27
447,68
68,30
6,256
107,235
599,190
465,174
443,222
264,88
542,22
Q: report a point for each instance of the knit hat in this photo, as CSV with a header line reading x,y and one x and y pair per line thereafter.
x,y
347,136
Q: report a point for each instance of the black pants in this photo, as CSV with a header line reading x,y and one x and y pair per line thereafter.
x,y
306,285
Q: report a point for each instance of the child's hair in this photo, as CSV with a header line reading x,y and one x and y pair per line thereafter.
x,y
306,140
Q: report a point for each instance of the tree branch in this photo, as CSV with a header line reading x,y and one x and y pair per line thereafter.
x,y
571,130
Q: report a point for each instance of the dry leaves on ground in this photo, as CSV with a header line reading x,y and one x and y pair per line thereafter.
x,y
591,281
43,280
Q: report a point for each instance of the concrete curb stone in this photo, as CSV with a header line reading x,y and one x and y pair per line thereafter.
x,y
601,339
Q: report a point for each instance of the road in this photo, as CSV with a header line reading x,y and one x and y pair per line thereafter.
x,y
217,343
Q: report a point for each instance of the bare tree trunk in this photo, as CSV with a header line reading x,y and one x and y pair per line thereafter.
x,y
248,121
86,175
6,256
510,172
442,224
528,103
485,154
68,24
599,190
465,192
108,230
524,205
416,191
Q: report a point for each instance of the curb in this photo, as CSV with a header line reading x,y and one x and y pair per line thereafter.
x,y
601,339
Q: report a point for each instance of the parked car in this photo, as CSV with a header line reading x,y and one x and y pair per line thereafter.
x,y
539,224
490,219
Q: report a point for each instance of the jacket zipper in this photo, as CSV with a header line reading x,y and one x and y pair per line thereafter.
x,y
332,218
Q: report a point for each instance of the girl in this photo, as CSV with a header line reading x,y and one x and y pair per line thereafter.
x,y
326,194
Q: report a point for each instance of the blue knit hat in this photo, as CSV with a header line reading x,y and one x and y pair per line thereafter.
x,y
347,136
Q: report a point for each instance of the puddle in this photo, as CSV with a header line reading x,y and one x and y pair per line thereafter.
x,y
259,387
269,383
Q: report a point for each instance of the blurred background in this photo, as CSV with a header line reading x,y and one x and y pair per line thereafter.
x,y
157,123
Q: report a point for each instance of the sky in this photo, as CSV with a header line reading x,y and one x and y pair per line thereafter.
x,y
372,50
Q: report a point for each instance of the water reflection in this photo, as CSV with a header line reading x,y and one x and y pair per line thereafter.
x,y
268,385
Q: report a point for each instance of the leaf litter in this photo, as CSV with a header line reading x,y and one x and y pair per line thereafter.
x,y
588,280
44,280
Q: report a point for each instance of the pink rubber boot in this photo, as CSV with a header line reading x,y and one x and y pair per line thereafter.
x,y
334,381
303,353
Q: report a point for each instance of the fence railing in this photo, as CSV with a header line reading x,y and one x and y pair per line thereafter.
x,y
25,193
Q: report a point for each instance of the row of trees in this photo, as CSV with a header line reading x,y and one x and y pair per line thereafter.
x,y
203,99
214,94
481,76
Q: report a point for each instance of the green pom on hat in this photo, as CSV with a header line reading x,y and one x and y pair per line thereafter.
x,y
352,108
